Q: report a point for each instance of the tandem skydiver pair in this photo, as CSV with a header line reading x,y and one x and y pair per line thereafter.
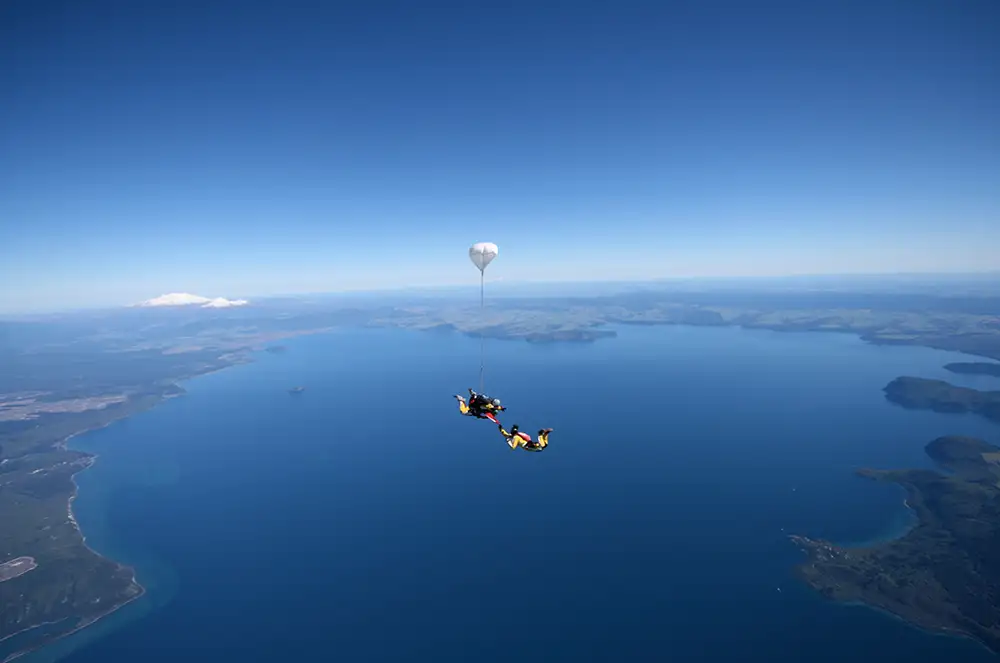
x,y
482,406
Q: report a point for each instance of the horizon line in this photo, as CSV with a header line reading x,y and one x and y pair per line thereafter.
x,y
995,273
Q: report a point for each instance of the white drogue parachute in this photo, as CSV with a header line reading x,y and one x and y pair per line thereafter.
x,y
482,254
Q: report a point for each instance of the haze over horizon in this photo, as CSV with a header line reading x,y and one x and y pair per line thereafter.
x,y
257,148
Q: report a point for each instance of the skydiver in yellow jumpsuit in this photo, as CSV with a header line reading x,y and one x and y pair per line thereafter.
x,y
480,406
516,438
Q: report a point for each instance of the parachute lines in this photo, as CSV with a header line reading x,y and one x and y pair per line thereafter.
x,y
482,336
482,254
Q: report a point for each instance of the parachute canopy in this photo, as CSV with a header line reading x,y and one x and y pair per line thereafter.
x,y
482,254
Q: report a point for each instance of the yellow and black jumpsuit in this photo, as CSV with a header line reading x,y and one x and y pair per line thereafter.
x,y
516,438
480,408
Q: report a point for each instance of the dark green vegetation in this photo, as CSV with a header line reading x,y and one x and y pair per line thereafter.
x,y
975,368
945,573
940,396
61,375
71,585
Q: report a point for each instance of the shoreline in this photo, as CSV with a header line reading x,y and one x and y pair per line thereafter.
x,y
818,551
233,357
75,629
246,356
936,631
86,462
860,602
891,535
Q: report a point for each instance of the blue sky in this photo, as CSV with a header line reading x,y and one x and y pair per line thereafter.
x,y
250,148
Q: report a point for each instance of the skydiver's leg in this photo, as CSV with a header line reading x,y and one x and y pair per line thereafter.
x,y
462,407
510,439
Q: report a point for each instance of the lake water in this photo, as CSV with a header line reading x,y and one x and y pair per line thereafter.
x,y
364,520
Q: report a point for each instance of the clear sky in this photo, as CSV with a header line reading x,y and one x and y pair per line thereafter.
x,y
243,148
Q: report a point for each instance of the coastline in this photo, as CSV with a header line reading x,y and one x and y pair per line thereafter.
x,y
238,358
227,358
75,629
833,574
894,531
936,631
86,462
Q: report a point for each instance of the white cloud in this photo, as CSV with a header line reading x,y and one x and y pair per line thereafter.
x,y
187,299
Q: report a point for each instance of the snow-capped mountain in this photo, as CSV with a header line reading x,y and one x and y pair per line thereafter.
x,y
187,299
222,302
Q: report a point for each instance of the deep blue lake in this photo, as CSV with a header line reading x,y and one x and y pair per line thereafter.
x,y
364,520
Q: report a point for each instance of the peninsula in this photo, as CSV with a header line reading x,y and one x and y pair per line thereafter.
x,y
941,396
944,574
69,585
975,368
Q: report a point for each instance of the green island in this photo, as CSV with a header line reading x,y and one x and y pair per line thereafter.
x,y
944,574
941,396
65,374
